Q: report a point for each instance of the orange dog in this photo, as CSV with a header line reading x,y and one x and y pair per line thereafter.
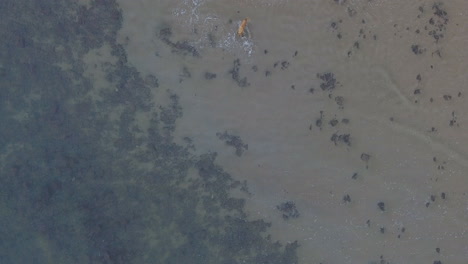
x,y
241,30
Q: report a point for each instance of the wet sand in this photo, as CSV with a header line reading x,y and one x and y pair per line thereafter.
x,y
402,92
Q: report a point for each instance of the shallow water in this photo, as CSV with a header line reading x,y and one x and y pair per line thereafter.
x,y
403,93
340,122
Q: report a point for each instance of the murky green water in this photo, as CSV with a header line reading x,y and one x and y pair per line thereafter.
x,y
148,132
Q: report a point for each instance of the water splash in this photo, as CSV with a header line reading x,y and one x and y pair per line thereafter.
x,y
209,29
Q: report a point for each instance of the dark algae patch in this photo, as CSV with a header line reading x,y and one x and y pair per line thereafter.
x,y
210,75
233,141
328,81
417,49
181,47
235,74
82,180
288,209
341,139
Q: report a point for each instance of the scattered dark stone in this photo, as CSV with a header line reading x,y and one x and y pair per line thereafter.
x,y
288,209
438,250
417,49
267,73
431,100
241,82
368,222
438,11
459,94
210,76
417,91
333,25
437,23
255,68
284,65
365,157
427,204
382,230
437,262
442,195
165,33
265,51
339,35
447,97
453,121
345,121
418,77
341,138
328,81
333,122
319,121
339,100
311,90
293,87
381,206
356,45
347,198
433,197
355,175
233,141
403,229
295,53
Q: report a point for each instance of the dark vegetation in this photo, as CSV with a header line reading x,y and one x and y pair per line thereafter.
x,y
288,209
73,189
328,81
233,141
181,47
210,75
235,74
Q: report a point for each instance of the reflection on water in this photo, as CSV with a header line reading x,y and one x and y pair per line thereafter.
x,y
156,134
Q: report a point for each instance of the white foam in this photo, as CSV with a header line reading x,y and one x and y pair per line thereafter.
x,y
195,17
